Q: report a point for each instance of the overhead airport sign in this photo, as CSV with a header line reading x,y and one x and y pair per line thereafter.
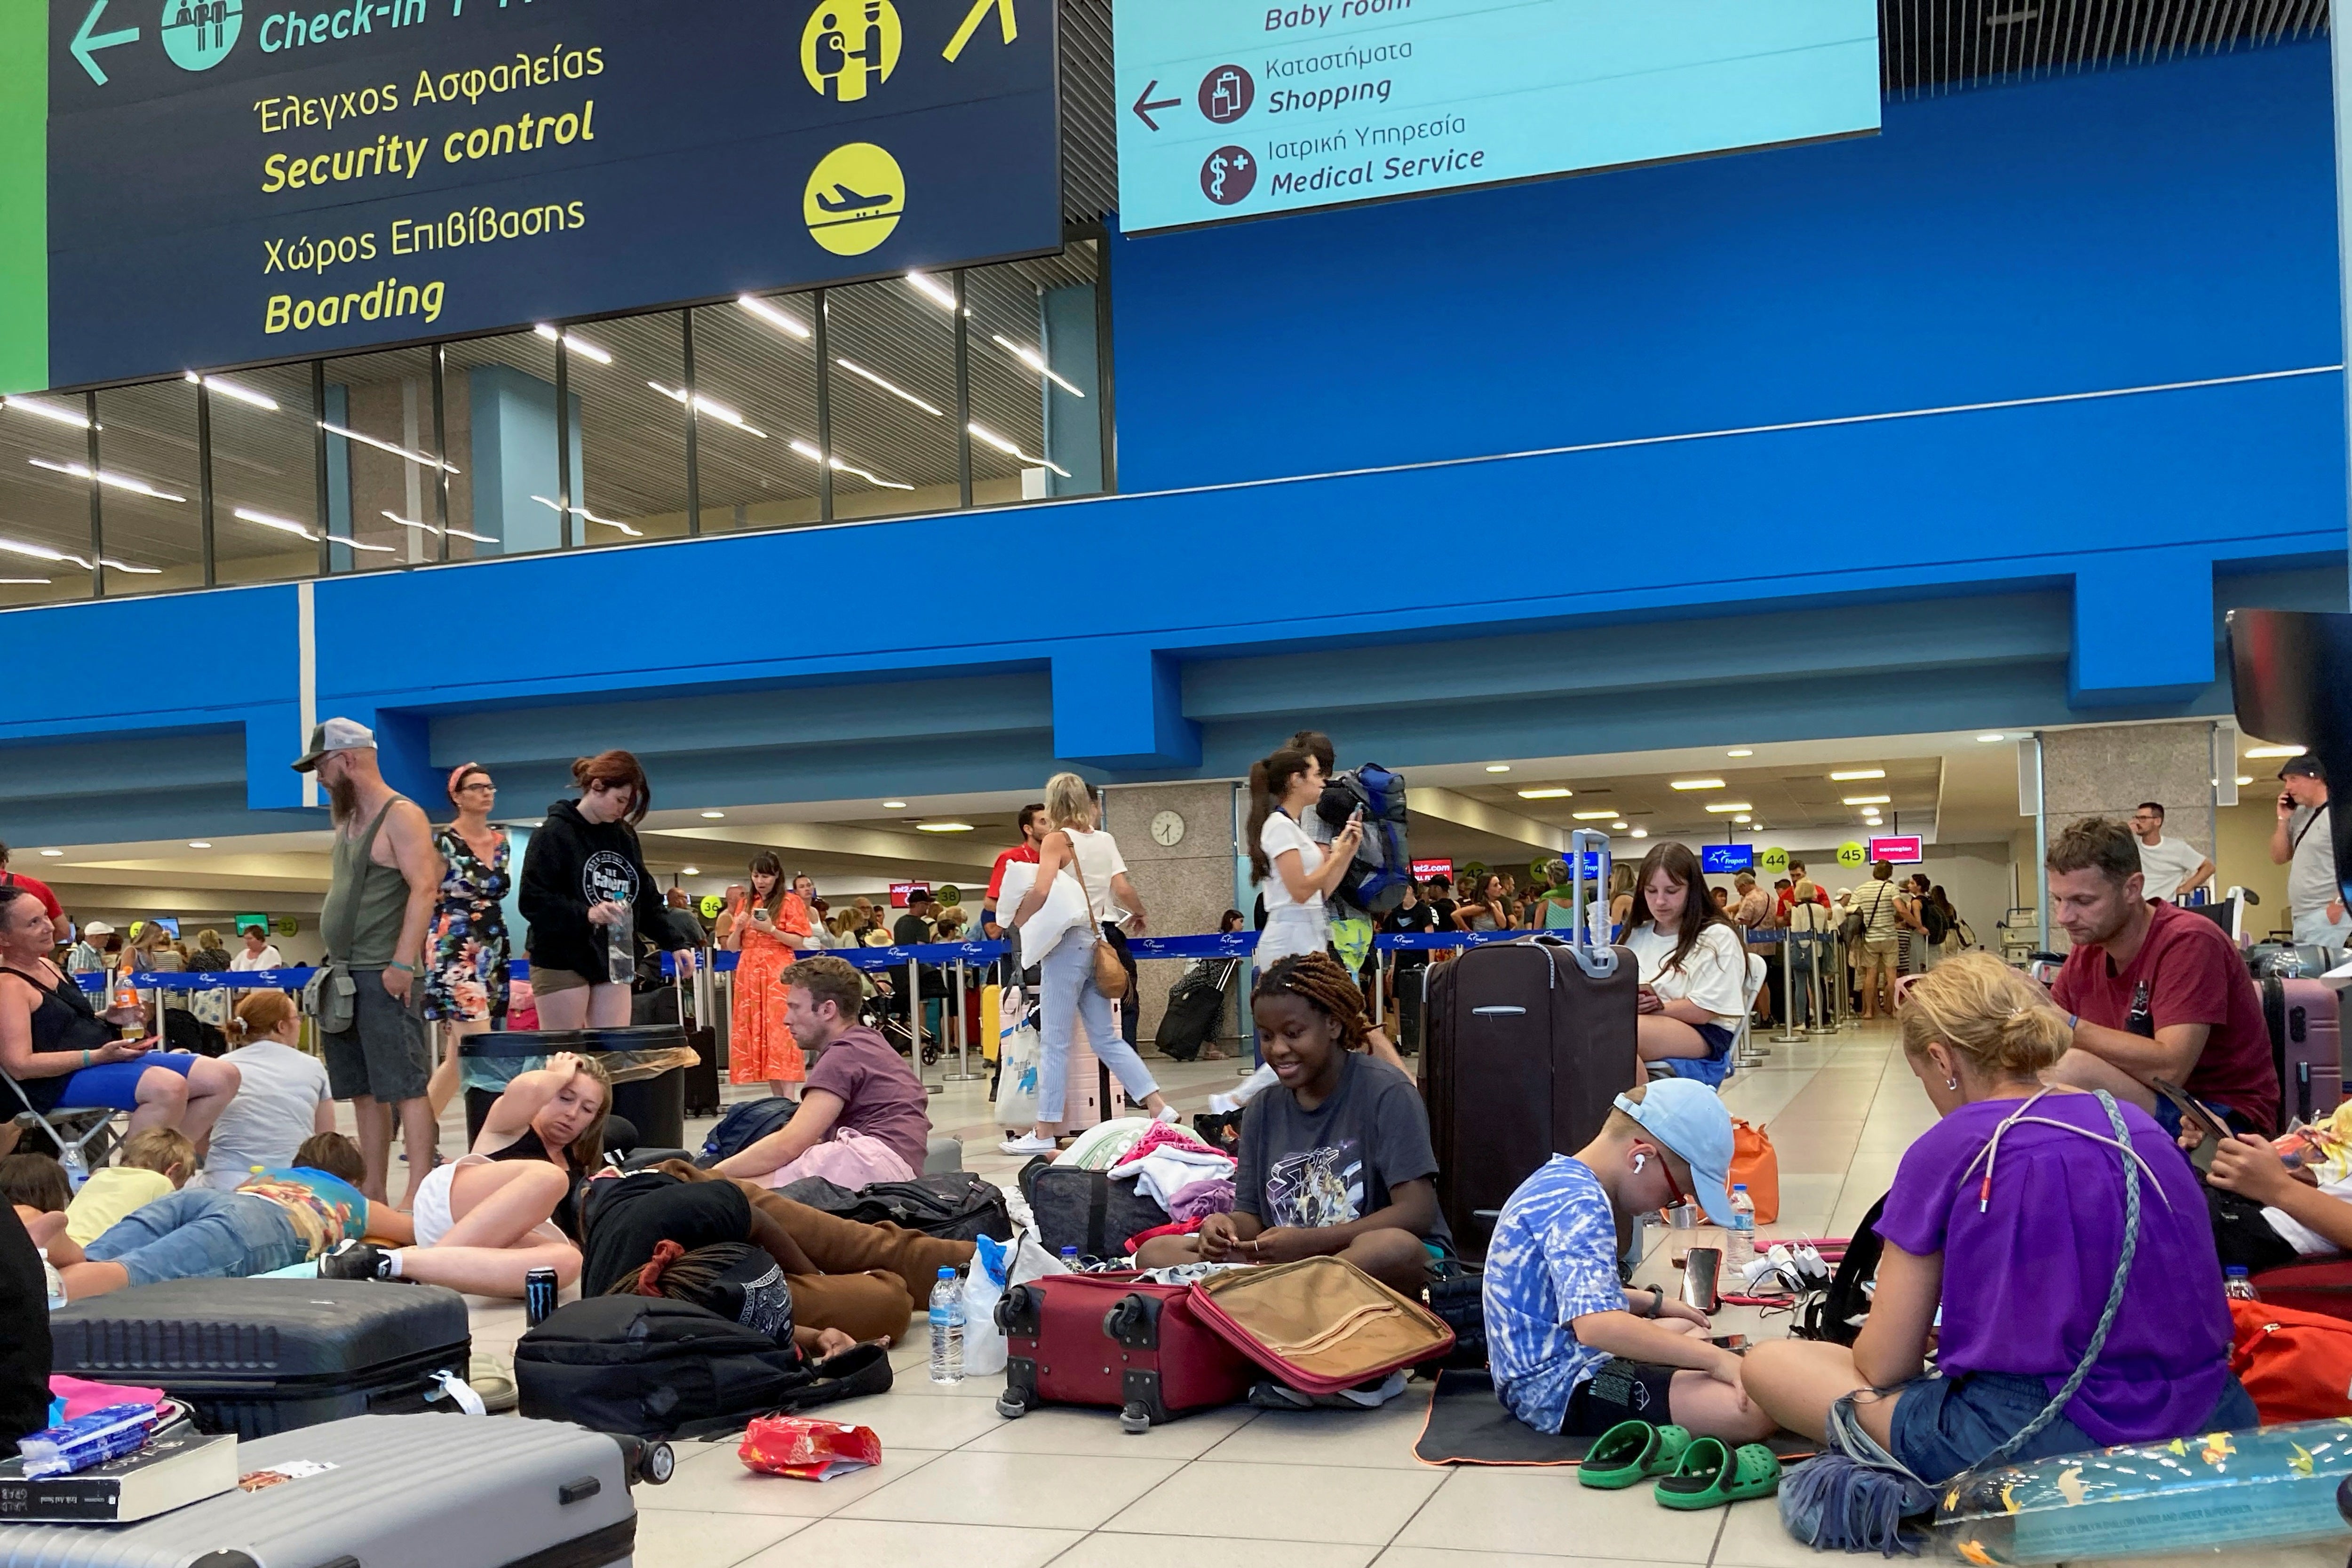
x,y
1236,108
235,180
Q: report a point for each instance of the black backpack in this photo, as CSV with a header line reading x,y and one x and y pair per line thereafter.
x,y
957,1206
1836,1314
1085,1209
652,1367
746,1125
1931,915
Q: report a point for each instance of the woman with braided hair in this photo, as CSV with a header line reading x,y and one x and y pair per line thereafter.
x,y
737,1281
1335,1158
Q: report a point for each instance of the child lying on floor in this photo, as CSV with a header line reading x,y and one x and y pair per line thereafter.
x,y
1335,1158
151,1164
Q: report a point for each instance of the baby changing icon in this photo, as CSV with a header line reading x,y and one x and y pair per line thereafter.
x,y
1226,94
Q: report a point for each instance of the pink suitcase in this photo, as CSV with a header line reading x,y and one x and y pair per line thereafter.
x,y
2306,1041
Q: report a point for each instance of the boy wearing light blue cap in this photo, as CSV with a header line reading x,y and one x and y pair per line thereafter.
x,y
1571,1350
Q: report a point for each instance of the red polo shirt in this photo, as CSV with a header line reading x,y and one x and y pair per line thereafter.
x,y
2194,975
1026,853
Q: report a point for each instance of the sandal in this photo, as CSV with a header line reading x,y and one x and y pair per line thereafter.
x,y
1712,1474
1631,1450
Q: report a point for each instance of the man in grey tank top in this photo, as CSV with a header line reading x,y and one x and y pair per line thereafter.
x,y
387,877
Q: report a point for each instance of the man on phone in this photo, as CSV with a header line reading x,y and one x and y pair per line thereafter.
x,y
2304,843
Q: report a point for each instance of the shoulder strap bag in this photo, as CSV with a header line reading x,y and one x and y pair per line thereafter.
x,y
1110,974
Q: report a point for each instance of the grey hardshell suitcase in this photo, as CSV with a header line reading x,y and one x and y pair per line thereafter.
x,y
258,1356
405,1491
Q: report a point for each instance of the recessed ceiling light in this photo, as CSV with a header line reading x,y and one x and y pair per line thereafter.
x,y
1641,833
689,871
54,853
1851,774
1992,738
1741,751
943,827
1869,799
1727,805
1554,793
1499,767
198,844
713,815
1593,816
2273,751
894,806
2243,779
1617,826
1742,817
1697,783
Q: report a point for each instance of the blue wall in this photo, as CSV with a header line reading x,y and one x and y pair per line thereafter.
x,y
2093,234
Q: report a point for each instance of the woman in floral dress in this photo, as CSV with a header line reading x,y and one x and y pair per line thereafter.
x,y
768,926
465,985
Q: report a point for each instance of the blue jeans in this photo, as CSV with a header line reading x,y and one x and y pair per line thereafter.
x,y
1068,974
200,1233
1945,1425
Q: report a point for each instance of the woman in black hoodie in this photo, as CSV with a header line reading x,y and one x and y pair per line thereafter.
x,y
582,875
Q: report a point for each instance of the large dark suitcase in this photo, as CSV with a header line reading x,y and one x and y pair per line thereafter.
x,y
702,1078
2322,1284
258,1356
1196,1004
391,1489
2307,1044
1115,1342
1528,1043
1085,1209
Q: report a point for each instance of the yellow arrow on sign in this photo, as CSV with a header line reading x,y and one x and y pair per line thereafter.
x,y
1003,9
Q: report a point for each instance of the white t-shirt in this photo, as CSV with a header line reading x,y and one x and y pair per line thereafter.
x,y
267,958
1281,834
1099,860
2165,865
1714,975
2311,874
275,1109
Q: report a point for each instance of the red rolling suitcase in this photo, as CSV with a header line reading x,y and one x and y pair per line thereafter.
x,y
2322,1284
2307,1044
1115,1341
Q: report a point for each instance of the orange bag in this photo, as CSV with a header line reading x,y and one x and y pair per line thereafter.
x,y
1754,1163
806,1450
2297,1365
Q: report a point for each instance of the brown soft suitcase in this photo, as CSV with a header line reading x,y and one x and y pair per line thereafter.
x,y
1528,1043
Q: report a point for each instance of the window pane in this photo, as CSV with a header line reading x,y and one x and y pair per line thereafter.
x,y
498,397
759,363
265,465
891,385
380,464
1029,318
147,487
44,513
628,380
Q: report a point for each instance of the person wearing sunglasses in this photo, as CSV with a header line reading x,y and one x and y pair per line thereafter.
x,y
1571,1350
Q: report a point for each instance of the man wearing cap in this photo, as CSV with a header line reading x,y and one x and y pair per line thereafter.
x,y
86,956
2302,843
1571,1350
387,876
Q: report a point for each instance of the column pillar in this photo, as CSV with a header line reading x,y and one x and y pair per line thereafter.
x,y
2107,770
1186,886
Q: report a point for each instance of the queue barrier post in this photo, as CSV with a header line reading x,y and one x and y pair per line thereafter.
x,y
1791,1030
963,1073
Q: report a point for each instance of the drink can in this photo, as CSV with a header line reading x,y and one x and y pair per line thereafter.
x,y
539,1289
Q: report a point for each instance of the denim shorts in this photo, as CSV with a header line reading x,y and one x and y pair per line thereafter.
x,y
200,1233
1945,1425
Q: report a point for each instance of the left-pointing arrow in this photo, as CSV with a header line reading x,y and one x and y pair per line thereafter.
x,y
89,41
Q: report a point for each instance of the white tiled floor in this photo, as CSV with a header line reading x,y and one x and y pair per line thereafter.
x,y
1240,1488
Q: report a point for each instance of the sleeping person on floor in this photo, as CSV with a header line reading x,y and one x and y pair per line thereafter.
x,y
1335,1158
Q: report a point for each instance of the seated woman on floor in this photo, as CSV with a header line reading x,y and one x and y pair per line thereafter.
x,y
842,1281
1694,967
2011,1215
484,1221
1335,1158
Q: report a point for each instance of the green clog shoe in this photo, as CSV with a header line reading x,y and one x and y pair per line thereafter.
x,y
1630,1451
1712,1474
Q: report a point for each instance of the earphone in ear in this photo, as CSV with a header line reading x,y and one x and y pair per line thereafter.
x,y
1640,1163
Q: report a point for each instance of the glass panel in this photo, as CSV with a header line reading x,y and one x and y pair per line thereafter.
x,y
44,513
265,475
757,362
628,381
380,464
1034,378
147,487
498,407
891,385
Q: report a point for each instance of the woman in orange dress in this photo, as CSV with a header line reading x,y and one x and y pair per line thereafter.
x,y
767,926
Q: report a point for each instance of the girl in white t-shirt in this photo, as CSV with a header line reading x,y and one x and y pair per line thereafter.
x,y
282,1098
1693,967
1295,871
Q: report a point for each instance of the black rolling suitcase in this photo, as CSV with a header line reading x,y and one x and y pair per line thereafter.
x,y
1196,1003
258,1356
1528,1043
702,1078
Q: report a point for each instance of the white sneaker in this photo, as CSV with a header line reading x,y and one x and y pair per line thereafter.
x,y
1028,1144
1166,1113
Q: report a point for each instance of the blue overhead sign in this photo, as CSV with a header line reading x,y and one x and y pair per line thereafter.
x,y
1234,108
1723,859
231,181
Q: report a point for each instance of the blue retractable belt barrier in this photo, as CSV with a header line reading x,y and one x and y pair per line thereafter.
x,y
206,980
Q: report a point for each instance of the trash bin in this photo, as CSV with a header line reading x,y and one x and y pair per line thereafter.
x,y
646,1060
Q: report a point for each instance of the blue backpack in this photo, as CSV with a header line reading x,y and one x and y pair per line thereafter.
x,y
1375,882
746,1125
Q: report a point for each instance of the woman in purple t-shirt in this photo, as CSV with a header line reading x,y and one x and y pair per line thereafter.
x,y
2009,1215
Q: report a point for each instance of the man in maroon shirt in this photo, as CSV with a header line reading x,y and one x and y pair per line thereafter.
x,y
2206,1018
1033,833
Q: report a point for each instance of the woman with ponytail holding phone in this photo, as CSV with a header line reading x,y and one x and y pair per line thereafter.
x,y
1296,871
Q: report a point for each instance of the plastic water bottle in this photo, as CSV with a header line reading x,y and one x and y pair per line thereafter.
x,y
1739,1241
621,948
2237,1287
1070,1258
947,1329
